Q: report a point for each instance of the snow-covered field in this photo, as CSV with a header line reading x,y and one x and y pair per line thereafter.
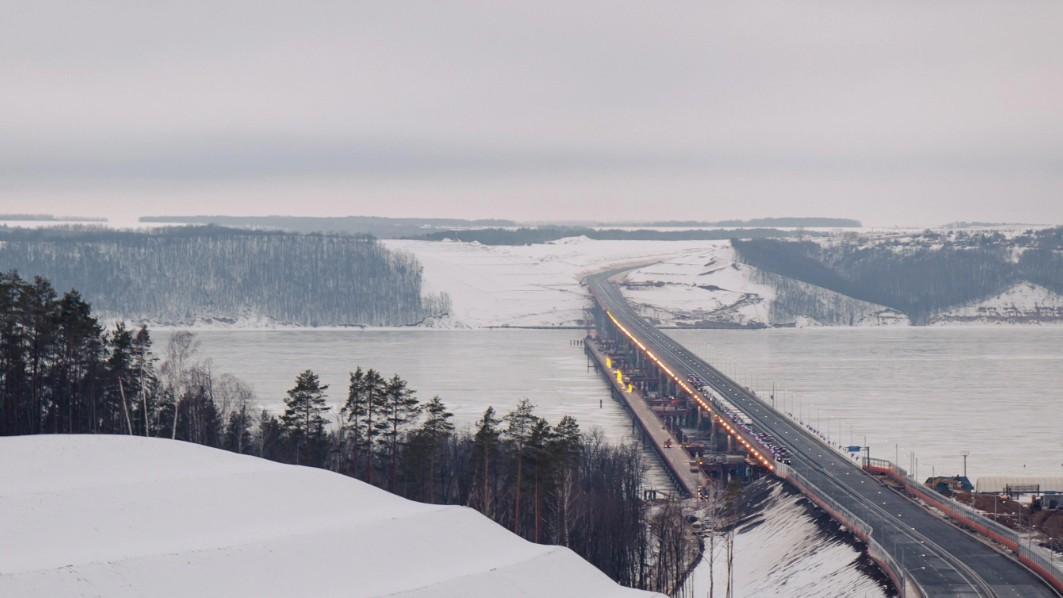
x,y
530,285
126,516
674,283
710,288
677,283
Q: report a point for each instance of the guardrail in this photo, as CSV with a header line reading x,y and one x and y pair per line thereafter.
x,y
902,579
1041,562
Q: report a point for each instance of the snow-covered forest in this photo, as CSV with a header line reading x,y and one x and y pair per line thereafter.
x,y
923,276
195,275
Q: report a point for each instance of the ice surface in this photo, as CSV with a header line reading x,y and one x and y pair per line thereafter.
x,y
127,516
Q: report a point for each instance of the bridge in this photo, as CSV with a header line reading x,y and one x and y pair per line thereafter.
x,y
922,552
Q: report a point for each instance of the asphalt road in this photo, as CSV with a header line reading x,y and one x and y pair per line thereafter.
x,y
944,559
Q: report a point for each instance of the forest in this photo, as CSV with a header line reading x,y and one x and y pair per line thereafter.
x,y
781,221
181,275
61,371
918,276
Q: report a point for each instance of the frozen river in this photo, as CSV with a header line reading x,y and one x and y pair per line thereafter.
x,y
995,392
468,369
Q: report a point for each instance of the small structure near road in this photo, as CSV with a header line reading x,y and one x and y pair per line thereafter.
x,y
1018,486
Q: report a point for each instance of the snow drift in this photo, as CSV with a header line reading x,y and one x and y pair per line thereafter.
x,y
127,516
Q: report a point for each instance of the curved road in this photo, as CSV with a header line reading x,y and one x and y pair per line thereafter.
x,y
943,559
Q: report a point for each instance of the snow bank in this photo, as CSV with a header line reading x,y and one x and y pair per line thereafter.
x,y
127,516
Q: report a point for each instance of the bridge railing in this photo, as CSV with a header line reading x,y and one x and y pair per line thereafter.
x,y
1041,561
902,578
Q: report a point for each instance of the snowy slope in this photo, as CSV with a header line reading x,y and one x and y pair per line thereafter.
x,y
788,549
530,285
125,516
707,287
1025,302
711,288
679,283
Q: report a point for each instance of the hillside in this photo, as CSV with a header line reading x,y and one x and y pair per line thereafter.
x,y
929,275
128,516
189,276
870,278
712,289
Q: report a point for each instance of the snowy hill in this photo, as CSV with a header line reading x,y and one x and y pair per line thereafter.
x,y
127,516
711,288
677,283
1022,303
525,285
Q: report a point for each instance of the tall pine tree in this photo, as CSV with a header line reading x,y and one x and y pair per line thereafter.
x,y
363,413
401,408
304,418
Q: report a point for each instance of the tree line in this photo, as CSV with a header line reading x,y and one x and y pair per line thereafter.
x,y
61,371
182,275
547,234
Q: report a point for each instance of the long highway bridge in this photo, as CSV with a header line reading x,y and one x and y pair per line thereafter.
x,y
922,552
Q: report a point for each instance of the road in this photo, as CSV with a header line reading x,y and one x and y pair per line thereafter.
x,y
943,559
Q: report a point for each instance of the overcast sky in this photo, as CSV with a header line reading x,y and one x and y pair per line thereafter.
x,y
909,113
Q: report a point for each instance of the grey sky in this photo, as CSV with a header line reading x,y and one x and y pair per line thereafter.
x,y
893,112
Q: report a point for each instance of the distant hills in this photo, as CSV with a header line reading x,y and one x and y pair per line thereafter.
x,y
48,218
783,222
456,228
383,228
532,236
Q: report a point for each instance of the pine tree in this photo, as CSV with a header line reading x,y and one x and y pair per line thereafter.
x,y
40,340
486,446
238,431
362,412
120,379
79,351
428,443
304,417
564,448
520,420
437,425
401,407
147,382
538,456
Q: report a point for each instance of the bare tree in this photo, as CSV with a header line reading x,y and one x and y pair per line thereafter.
x,y
180,351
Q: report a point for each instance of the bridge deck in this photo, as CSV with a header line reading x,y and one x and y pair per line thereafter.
x,y
675,457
